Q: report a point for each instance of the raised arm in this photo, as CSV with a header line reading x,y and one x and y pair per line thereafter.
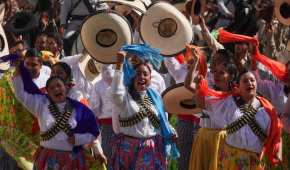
x,y
118,89
189,82
210,40
33,102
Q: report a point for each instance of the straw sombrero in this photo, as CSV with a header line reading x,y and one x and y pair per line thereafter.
x,y
85,63
134,4
165,28
178,100
282,11
4,50
103,34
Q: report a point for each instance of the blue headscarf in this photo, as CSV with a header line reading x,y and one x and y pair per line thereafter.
x,y
144,53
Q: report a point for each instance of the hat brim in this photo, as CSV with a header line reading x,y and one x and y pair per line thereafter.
x,y
179,101
4,49
278,3
106,21
89,76
135,4
149,29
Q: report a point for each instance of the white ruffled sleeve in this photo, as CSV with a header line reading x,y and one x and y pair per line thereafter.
x,y
33,102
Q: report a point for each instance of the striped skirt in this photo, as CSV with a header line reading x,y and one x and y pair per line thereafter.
x,y
50,159
186,131
129,153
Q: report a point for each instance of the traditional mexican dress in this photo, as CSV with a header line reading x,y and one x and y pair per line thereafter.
x,y
57,122
145,132
241,124
187,125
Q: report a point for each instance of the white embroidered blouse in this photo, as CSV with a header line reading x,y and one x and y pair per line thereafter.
x,y
38,106
225,111
128,107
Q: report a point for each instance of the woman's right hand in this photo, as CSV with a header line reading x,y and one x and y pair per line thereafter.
x,y
120,59
121,56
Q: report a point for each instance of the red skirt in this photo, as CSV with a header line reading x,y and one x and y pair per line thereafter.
x,y
59,160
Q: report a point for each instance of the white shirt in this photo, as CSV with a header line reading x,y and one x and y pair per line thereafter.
x,y
38,106
101,103
44,75
225,111
129,107
82,84
176,70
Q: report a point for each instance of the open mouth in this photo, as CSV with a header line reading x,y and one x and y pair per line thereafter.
x,y
250,88
142,82
58,95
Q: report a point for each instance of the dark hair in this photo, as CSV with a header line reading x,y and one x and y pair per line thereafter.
x,y
32,52
56,37
42,34
225,54
241,73
53,78
145,63
66,68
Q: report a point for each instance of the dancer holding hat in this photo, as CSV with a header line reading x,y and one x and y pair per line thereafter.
x,y
146,137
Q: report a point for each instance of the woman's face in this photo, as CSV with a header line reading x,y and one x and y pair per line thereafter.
x,y
40,43
57,70
247,86
221,77
143,78
56,90
52,46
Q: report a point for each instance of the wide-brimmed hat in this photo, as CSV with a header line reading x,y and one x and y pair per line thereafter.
x,y
4,50
89,68
282,11
22,22
137,5
103,34
165,28
178,100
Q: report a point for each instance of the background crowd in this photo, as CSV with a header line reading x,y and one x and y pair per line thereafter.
x,y
45,33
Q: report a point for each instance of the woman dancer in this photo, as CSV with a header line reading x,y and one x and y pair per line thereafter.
x,y
65,124
146,137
